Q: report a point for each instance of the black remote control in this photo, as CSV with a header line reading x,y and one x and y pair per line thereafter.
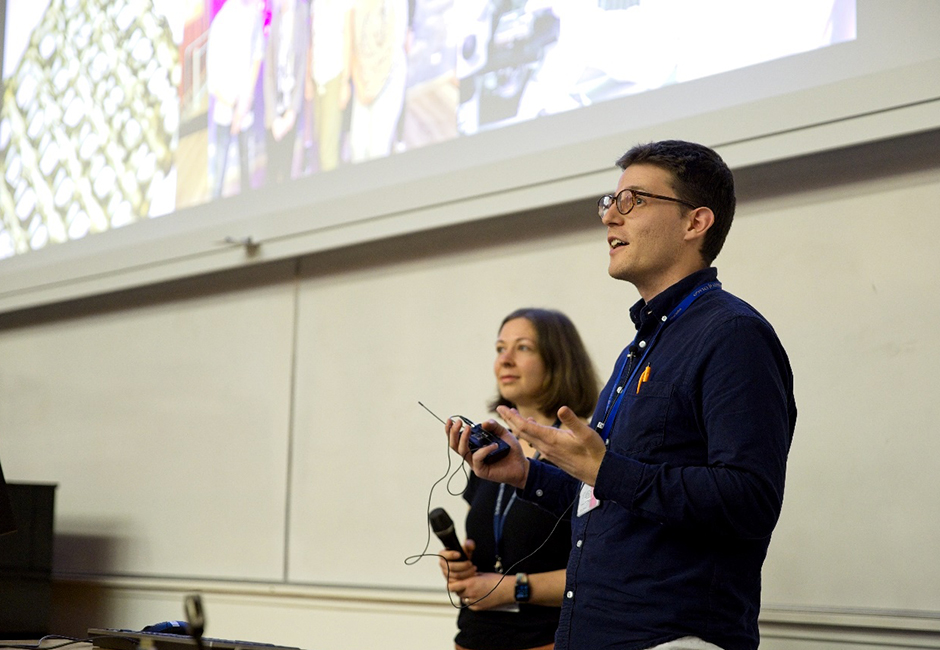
x,y
480,437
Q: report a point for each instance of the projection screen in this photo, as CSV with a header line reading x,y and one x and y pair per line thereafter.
x,y
144,140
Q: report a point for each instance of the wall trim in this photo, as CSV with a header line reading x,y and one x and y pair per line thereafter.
x,y
797,626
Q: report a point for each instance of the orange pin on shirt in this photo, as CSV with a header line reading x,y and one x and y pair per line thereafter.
x,y
643,377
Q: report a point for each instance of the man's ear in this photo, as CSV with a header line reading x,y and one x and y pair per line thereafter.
x,y
700,220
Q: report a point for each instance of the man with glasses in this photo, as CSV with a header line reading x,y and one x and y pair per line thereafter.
x,y
677,484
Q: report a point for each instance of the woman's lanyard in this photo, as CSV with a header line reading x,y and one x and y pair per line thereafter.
x,y
628,369
500,514
499,520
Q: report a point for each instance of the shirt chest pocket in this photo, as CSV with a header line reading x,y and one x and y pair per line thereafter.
x,y
641,424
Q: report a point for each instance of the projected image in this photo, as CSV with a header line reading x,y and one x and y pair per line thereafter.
x,y
280,89
120,110
519,60
89,121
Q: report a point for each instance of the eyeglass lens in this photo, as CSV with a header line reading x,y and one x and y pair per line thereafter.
x,y
624,201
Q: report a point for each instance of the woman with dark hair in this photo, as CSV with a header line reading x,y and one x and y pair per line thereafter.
x,y
511,588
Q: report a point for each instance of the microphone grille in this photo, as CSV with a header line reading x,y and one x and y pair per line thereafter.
x,y
440,520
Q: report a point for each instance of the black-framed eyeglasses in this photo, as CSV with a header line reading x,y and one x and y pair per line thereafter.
x,y
625,201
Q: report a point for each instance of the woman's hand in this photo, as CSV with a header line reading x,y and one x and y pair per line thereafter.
x,y
485,591
455,569
513,469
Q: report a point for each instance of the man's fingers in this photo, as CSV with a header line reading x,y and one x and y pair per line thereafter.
x,y
569,418
517,423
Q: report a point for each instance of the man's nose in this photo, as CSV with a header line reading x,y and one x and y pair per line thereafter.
x,y
612,215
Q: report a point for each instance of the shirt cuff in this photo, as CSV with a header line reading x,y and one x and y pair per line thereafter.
x,y
618,478
534,484
548,487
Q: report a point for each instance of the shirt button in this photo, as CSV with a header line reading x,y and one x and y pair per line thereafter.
x,y
642,344
580,541
569,595
539,493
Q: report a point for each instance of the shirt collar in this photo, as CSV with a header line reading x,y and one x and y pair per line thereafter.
x,y
665,301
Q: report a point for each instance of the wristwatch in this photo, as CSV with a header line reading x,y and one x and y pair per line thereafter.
x,y
523,590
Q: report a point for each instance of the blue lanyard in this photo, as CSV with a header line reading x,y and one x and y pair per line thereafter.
x,y
618,389
499,515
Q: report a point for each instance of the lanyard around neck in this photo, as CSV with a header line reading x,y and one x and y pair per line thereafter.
x,y
499,513
499,520
628,369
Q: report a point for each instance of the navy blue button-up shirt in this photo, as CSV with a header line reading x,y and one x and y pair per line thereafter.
x,y
690,488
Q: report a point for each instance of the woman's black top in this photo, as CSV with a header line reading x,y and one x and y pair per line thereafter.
x,y
525,528
7,522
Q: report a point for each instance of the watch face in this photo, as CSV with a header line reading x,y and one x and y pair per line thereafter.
x,y
522,592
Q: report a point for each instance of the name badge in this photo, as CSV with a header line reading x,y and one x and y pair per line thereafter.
x,y
586,500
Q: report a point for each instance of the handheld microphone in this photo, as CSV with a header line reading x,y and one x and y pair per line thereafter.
x,y
443,527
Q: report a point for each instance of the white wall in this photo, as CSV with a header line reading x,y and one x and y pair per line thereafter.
x,y
255,435
163,420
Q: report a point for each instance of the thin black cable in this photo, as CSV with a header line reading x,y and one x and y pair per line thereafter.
x,y
414,559
523,559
